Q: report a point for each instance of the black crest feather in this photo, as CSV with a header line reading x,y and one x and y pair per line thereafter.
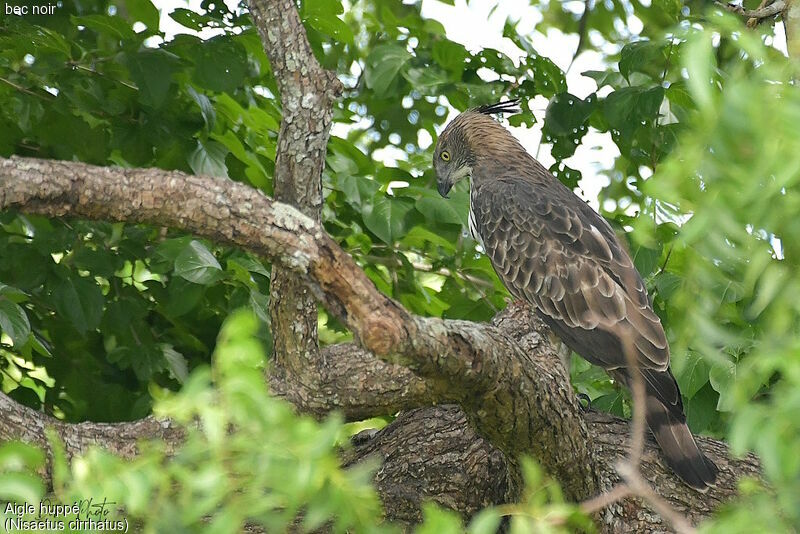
x,y
509,106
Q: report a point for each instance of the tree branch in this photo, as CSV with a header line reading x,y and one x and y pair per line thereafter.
x,y
767,10
503,375
25,424
307,92
475,365
351,380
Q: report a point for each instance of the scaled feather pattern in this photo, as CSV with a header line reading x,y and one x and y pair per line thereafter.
x,y
551,249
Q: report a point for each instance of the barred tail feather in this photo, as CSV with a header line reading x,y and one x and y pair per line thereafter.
x,y
679,447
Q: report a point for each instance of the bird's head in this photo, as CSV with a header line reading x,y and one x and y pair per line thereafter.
x,y
462,141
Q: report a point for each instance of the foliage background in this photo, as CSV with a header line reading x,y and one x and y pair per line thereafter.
x,y
100,319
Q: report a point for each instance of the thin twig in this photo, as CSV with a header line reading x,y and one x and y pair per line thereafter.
x,y
628,468
102,75
582,27
762,13
595,504
638,423
640,488
26,90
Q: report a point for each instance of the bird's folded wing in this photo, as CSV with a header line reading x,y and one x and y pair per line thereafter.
x,y
552,250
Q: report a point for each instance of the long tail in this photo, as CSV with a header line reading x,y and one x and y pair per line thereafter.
x,y
668,424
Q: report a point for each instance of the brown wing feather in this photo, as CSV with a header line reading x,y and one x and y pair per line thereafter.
x,y
566,261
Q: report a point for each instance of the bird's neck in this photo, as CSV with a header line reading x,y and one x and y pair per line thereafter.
x,y
510,160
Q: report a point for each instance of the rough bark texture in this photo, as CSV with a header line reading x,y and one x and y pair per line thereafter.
x,y
307,92
433,454
505,376
506,390
353,381
22,423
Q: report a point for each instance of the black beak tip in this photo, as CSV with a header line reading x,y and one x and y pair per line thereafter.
x,y
443,188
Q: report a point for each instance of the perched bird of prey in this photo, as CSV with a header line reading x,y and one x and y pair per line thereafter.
x,y
552,250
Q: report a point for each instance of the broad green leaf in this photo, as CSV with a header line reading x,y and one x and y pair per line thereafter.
x,y
220,64
190,19
182,297
449,55
197,264
383,65
642,56
152,71
144,11
437,520
14,322
385,217
566,122
21,487
209,159
108,24
722,377
626,108
81,301
699,61
206,107
440,210
691,371
18,456
645,259
176,362
425,78
322,15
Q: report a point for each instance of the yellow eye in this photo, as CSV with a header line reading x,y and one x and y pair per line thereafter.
x,y
445,156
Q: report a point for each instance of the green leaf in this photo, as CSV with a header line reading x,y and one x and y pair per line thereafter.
x,y
81,301
440,210
322,16
208,159
152,71
182,297
699,60
383,65
176,362
14,322
449,55
20,487
145,12
12,293
197,264
425,78
220,64
190,19
385,217
645,260
107,24
437,520
487,521
667,283
691,373
18,456
605,77
722,377
642,56
625,108
611,403
700,409
566,122
548,78
206,107
259,303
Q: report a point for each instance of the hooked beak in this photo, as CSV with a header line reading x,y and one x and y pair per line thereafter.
x,y
444,188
